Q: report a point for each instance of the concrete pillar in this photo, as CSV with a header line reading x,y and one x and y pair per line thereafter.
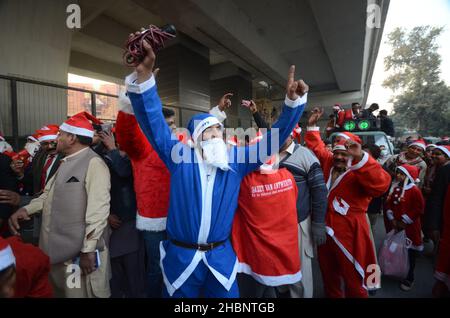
x,y
35,45
228,78
183,80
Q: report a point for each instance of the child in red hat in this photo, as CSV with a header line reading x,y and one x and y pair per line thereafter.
x,y
404,207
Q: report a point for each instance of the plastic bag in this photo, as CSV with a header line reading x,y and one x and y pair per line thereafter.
x,y
393,255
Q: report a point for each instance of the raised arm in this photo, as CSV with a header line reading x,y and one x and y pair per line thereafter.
x,y
129,136
314,141
141,88
252,157
374,180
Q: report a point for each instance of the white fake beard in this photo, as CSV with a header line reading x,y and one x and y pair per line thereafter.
x,y
215,153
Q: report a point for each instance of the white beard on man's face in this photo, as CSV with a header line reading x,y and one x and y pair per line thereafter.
x,y
215,153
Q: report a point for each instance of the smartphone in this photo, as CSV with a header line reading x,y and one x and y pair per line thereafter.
x,y
76,260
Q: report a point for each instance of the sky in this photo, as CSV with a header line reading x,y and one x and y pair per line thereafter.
x,y
408,14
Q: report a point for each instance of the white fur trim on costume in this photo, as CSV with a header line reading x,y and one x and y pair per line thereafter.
x,y
390,215
280,280
350,257
407,219
207,183
47,137
171,288
133,87
295,103
226,282
312,128
216,112
204,124
125,104
361,163
76,130
6,258
150,224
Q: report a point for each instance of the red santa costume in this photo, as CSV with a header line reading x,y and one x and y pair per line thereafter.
x,y
32,268
264,234
344,115
350,252
406,203
151,177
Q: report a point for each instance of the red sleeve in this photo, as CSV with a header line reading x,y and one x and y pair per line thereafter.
x,y
41,287
341,118
416,205
130,137
371,176
314,142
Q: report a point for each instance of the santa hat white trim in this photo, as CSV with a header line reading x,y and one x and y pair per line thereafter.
x,y
444,150
47,138
407,174
343,136
6,258
32,138
76,130
203,125
418,144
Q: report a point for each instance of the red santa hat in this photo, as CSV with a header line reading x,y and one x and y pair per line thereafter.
x,y
337,107
412,172
445,150
47,133
419,143
258,138
79,124
34,137
233,141
349,136
268,166
340,145
6,255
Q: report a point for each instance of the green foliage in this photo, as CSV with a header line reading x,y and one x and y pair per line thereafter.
x,y
422,100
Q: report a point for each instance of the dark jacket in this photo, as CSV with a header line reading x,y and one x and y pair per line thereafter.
x,y
387,126
32,178
123,197
8,181
436,199
312,191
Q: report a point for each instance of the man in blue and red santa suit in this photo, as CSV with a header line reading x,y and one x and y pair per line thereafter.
x,y
198,260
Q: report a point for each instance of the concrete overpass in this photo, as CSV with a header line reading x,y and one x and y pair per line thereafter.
x,y
222,46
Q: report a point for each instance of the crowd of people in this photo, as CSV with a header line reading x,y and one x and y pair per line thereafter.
x,y
140,210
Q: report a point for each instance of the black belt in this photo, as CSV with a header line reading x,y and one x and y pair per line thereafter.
x,y
200,247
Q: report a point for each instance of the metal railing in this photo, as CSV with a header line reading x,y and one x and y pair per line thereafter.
x,y
26,104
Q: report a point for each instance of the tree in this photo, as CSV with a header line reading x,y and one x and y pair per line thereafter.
x,y
421,99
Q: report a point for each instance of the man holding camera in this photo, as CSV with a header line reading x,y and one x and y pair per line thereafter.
x,y
75,208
